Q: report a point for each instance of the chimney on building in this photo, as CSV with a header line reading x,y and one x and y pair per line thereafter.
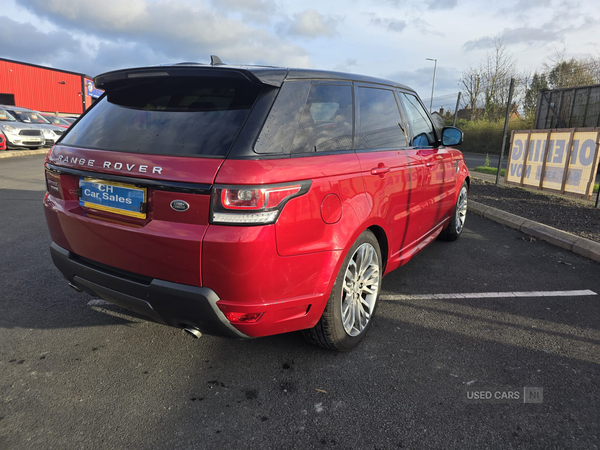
x,y
442,110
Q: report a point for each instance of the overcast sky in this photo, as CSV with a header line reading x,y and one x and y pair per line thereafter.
x,y
383,38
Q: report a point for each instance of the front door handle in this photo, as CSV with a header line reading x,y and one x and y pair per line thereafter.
x,y
429,164
380,170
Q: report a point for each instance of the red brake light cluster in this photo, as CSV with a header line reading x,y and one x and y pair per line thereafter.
x,y
253,205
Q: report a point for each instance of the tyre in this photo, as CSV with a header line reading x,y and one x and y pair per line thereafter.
x,y
455,227
353,300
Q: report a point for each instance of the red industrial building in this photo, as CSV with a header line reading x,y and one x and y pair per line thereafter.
x,y
44,88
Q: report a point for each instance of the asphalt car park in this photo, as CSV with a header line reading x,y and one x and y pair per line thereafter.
x,y
78,373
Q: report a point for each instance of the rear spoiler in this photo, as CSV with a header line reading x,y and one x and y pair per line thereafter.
x,y
253,74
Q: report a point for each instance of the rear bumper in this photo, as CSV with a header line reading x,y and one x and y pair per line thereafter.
x,y
173,304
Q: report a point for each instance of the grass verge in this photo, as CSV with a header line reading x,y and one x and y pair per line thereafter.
x,y
490,170
494,171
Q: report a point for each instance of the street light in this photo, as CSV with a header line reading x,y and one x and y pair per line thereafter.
x,y
433,84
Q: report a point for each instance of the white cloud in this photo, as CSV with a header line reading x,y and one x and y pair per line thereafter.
x,y
442,4
312,24
394,25
171,30
513,36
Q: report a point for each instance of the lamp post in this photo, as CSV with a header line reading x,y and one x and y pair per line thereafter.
x,y
433,84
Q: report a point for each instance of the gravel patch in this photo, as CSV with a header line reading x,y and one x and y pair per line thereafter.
x,y
574,216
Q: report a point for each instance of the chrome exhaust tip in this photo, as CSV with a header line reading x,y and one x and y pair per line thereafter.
x,y
193,332
72,286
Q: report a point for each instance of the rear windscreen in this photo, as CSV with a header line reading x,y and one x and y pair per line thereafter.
x,y
177,116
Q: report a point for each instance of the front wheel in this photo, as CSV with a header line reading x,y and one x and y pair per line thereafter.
x,y
454,229
351,305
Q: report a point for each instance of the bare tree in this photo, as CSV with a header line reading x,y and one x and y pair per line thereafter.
x,y
498,69
471,80
486,87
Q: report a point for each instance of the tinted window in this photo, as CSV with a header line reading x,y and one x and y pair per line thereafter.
x,y
420,125
380,122
326,121
29,117
279,129
6,116
179,116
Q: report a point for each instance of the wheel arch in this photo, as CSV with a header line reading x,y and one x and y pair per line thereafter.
x,y
382,239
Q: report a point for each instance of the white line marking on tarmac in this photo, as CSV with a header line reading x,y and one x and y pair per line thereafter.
x,y
98,303
488,295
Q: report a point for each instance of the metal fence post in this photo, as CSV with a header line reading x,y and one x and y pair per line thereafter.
x,y
456,109
508,110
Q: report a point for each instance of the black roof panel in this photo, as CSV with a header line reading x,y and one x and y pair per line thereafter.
x,y
270,75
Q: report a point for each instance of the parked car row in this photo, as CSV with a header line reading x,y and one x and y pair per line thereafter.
x,y
25,128
58,121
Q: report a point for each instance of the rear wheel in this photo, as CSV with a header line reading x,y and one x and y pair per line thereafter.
x,y
457,222
353,300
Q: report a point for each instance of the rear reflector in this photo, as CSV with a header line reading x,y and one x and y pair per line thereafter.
x,y
236,317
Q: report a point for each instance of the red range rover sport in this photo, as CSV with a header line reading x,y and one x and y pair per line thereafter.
x,y
247,201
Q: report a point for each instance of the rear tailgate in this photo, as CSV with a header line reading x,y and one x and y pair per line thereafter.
x,y
162,241
129,184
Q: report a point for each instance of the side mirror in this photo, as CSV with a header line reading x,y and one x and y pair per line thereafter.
x,y
451,136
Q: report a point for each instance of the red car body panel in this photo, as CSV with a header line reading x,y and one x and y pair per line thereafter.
x,y
165,245
393,184
243,266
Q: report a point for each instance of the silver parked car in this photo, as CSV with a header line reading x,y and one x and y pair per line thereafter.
x,y
51,132
18,134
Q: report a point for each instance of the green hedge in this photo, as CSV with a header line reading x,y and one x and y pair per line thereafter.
x,y
486,137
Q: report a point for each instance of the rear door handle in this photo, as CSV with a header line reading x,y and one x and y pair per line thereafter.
x,y
380,170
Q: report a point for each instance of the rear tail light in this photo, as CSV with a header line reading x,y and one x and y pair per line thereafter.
x,y
49,153
253,205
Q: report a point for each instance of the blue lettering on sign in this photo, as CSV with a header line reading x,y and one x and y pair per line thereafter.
x,y
554,174
538,172
574,152
550,149
574,177
560,151
517,149
517,169
586,153
535,152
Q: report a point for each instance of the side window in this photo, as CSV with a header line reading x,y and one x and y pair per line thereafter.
x,y
380,122
420,126
278,132
326,121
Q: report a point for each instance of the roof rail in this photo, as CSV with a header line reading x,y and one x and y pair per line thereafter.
x,y
186,64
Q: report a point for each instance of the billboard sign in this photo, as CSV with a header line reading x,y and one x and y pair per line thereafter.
x,y
560,160
91,89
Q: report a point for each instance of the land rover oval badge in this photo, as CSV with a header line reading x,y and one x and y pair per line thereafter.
x,y
179,205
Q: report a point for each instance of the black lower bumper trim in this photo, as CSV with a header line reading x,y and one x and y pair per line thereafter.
x,y
174,304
